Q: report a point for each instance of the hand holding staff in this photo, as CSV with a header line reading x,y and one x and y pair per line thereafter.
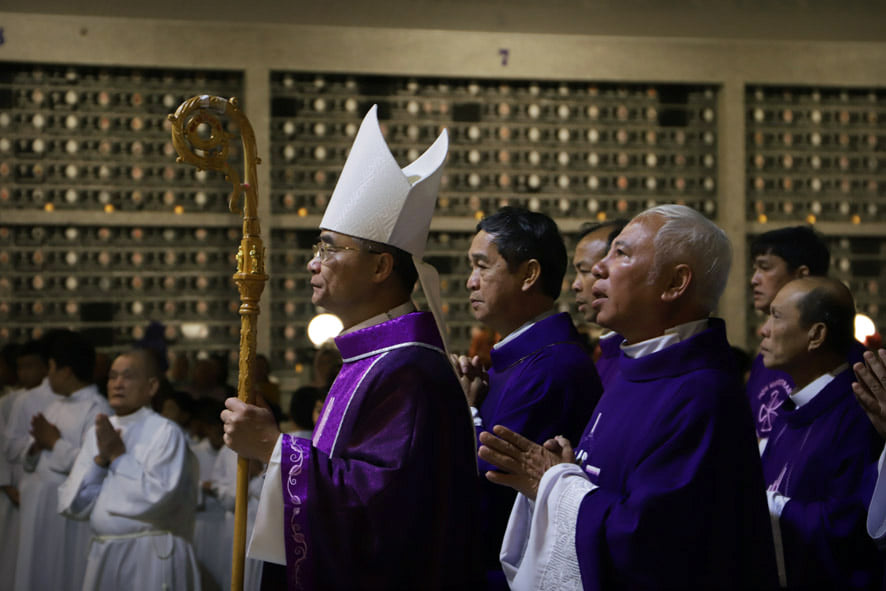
x,y
201,139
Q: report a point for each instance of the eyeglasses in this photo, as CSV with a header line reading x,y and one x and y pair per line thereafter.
x,y
322,250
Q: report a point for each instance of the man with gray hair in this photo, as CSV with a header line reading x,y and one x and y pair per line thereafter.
x,y
665,487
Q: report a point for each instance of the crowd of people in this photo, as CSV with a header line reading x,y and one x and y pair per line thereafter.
x,y
648,458
125,487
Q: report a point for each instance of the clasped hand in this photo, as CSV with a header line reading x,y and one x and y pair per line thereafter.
x,y
108,440
45,434
473,378
870,389
523,462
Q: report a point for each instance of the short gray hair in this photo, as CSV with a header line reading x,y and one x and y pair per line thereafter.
x,y
689,237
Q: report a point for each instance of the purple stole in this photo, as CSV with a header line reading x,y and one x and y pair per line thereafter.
x,y
607,363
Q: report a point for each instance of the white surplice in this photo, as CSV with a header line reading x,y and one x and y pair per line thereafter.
x,y
538,550
9,476
17,432
224,484
52,550
140,509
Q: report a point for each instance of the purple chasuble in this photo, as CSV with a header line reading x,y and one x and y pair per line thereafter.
x,y
541,384
767,389
823,457
607,363
385,496
681,501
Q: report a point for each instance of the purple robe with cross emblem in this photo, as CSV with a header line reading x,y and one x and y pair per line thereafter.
x,y
767,389
681,501
823,456
385,496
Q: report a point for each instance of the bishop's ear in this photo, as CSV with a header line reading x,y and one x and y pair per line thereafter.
x,y
678,282
384,266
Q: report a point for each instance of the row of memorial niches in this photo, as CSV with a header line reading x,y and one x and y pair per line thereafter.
x,y
564,148
571,149
816,154
88,138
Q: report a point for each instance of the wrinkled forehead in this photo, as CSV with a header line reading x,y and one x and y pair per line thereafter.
x,y
641,230
130,362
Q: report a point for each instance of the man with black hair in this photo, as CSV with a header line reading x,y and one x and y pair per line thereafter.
x,y
9,381
47,538
16,410
820,457
593,244
778,256
664,489
542,381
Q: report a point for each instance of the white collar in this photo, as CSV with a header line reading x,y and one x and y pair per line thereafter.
x,y
131,418
681,332
805,394
526,326
82,393
401,310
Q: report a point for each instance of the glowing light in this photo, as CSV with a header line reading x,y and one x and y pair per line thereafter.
x,y
864,327
323,327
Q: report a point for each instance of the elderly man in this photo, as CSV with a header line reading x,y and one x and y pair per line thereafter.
x,y
778,256
820,456
593,244
667,490
542,381
382,496
135,480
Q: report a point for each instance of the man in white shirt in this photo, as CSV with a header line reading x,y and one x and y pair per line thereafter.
x,y
135,479
16,409
52,549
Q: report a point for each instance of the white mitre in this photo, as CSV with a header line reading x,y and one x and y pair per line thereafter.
x,y
376,200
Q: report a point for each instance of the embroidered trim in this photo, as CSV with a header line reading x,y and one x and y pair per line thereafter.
x,y
299,543
392,347
318,432
539,350
561,572
345,413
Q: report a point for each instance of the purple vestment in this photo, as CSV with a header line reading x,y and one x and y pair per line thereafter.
x,y
681,501
767,389
541,384
822,456
610,351
385,496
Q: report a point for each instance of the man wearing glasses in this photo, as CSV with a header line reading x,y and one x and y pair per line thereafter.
x,y
383,496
